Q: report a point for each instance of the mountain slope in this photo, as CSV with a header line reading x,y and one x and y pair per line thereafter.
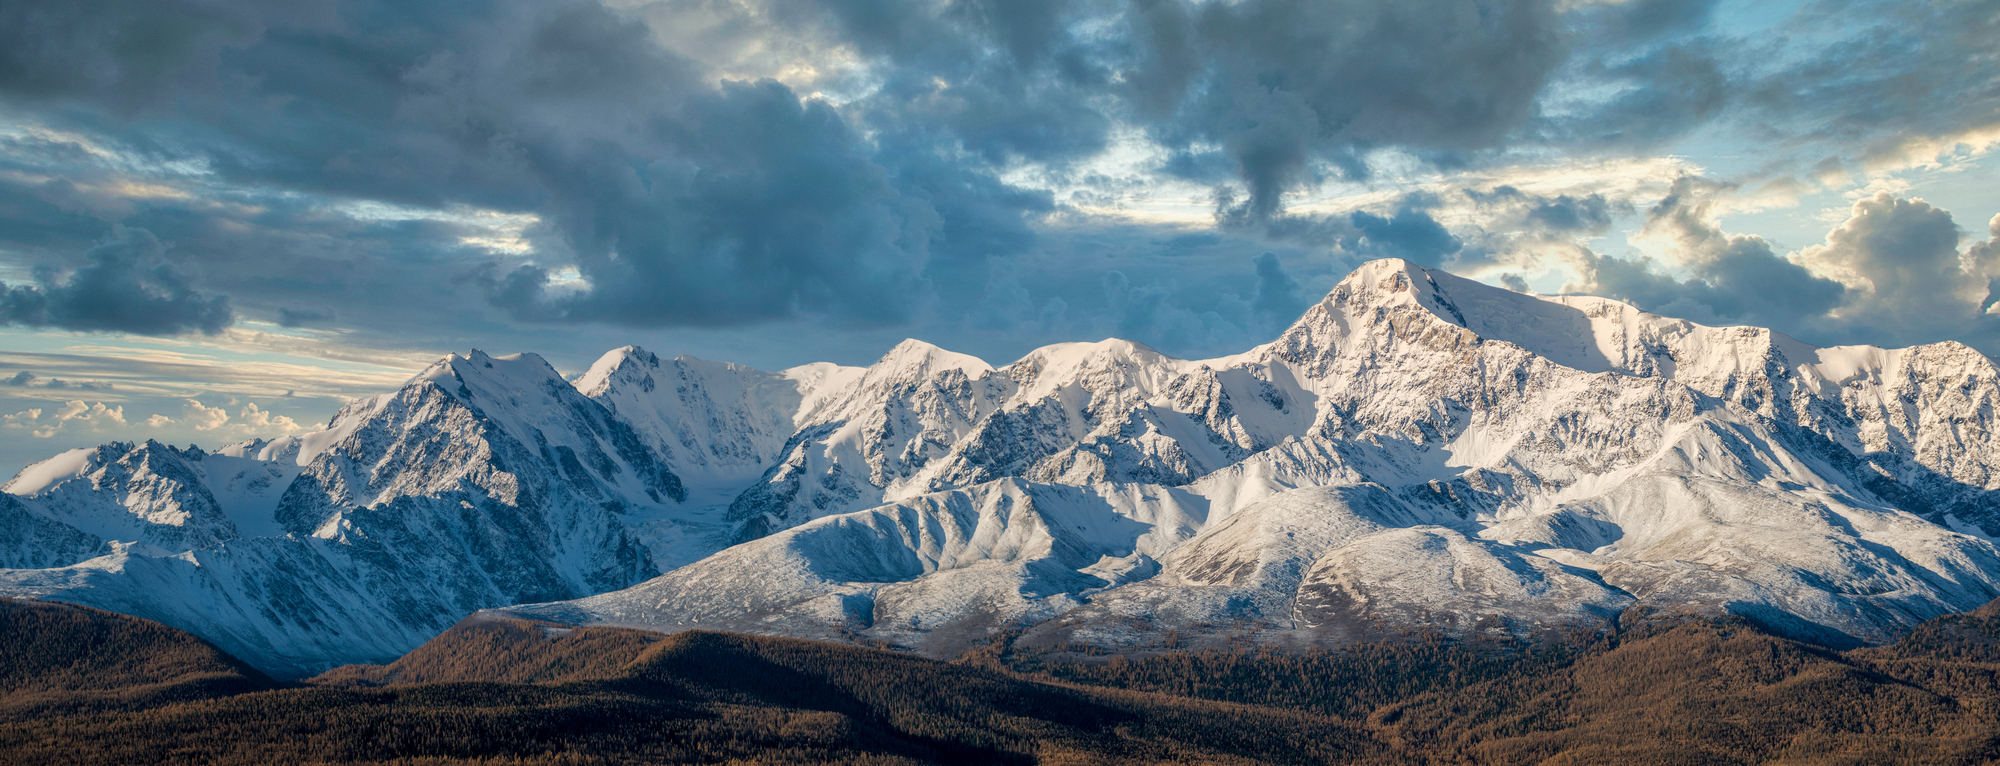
x,y
1669,690
622,697
482,482
63,658
1417,450
718,427
112,689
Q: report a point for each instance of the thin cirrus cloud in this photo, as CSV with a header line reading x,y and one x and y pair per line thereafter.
x,y
139,371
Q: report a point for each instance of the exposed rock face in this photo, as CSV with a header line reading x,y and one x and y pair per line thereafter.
x,y
1417,450
482,482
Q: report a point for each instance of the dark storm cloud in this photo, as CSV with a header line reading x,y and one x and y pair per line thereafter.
x,y
1639,21
271,252
129,53
1001,78
1278,299
652,190
1679,87
274,254
127,286
1863,79
1410,233
1796,298
53,211
1903,70
1666,74
1405,229
679,202
296,262
1267,93
1511,209
968,217
1281,86
303,317
1590,213
1189,243
767,206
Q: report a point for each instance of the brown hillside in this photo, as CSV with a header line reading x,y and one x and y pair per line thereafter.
x,y
499,691
64,656
686,698
505,651
1696,692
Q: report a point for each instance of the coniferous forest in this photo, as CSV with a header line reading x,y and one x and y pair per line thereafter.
x,y
82,686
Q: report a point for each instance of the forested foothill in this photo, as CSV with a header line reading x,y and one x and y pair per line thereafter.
x,y
83,686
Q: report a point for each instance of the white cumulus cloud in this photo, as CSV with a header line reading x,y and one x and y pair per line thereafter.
x,y
73,414
203,418
260,420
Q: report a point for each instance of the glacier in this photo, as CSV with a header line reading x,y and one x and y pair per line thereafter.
x,y
1418,450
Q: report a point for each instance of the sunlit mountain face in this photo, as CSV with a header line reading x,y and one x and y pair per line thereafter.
x,y
1417,454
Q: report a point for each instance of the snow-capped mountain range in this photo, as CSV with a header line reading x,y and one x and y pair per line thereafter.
x,y
1417,450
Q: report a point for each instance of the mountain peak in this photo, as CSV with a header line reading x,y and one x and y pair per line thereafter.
x,y
1393,281
1054,365
1587,333
925,358
479,370
1109,347
631,360
1417,444
1377,270
633,353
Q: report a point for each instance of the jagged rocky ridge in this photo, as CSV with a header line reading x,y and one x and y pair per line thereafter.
x,y
1418,449
481,482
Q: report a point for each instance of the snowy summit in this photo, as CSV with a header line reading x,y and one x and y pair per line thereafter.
x,y
1417,450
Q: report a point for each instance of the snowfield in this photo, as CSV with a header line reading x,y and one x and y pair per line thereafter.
x,y
1418,450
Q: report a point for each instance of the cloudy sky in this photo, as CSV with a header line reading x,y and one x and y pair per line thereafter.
x,y
223,219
